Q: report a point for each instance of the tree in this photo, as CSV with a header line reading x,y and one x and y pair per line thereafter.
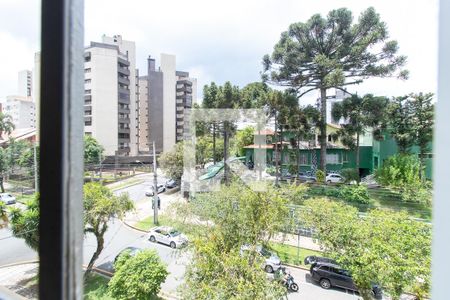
x,y
239,216
6,124
399,123
422,110
100,207
3,215
172,162
301,122
387,248
332,52
137,277
210,100
93,151
4,166
254,95
243,138
25,223
361,113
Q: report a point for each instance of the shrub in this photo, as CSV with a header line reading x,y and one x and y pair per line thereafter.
x,y
420,193
350,175
270,170
139,277
320,176
355,193
399,170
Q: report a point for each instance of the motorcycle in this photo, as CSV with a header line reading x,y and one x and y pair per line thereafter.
x,y
288,280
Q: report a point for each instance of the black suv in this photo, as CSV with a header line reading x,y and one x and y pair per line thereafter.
x,y
329,275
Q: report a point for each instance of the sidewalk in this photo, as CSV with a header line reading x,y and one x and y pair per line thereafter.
x,y
20,279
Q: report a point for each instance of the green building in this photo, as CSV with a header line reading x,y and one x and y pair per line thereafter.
x,y
372,153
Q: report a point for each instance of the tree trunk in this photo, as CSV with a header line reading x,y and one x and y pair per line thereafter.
x,y
277,140
357,156
366,294
225,153
422,163
214,142
298,157
323,129
100,244
281,152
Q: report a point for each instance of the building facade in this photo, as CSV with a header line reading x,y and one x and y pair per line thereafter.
x,y
169,95
22,111
110,107
25,83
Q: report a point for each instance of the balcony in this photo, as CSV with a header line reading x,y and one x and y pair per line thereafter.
x,y
123,140
124,120
123,71
123,80
124,130
124,110
122,61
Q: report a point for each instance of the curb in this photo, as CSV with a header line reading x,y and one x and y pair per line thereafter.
x,y
127,186
20,263
134,228
296,267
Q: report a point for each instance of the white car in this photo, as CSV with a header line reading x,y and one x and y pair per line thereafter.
x,y
272,263
167,235
161,189
334,178
7,198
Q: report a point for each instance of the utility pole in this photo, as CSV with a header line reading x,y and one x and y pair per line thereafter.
x,y
36,183
155,188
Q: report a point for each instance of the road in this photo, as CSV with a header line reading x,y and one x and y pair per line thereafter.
x,y
119,236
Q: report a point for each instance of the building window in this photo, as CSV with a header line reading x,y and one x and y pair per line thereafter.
x,y
329,138
87,92
333,159
87,81
304,159
286,158
345,156
87,70
87,123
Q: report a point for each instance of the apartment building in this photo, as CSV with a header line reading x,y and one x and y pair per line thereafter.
x,y
24,83
22,111
110,107
166,94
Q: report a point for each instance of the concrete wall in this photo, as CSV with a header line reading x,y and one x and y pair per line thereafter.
x,y
104,93
143,114
156,110
22,111
168,68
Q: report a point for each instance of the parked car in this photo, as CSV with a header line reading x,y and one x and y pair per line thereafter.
x,y
161,189
272,263
131,250
331,275
7,198
334,178
306,176
170,184
312,260
167,235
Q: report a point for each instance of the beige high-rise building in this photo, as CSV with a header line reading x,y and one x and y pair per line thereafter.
x,y
111,109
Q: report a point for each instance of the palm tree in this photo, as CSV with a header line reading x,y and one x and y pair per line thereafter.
x,y
3,215
6,124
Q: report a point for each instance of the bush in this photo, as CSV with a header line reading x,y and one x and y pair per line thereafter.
x,y
419,193
270,170
355,193
139,277
350,175
399,170
320,176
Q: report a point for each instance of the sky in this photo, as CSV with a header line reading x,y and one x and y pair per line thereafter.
x,y
223,40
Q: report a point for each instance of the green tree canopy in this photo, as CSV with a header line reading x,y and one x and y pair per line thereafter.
x,y
25,223
332,52
100,207
137,277
171,162
384,247
361,114
6,124
243,138
93,151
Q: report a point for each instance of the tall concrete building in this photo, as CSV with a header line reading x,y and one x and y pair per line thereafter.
x,y
24,83
22,111
111,108
166,94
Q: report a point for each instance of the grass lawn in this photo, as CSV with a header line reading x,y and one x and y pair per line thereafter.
x,y
288,253
23,198
382,198
96,288
186,228
126,183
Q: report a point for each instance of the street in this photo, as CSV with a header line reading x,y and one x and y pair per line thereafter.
x,y
119,236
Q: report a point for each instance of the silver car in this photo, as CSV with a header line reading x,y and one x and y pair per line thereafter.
x,y
7,198
167,235
272,261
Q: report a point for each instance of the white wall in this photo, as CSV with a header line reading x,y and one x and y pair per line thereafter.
x,y
104,93
168,63
22,111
